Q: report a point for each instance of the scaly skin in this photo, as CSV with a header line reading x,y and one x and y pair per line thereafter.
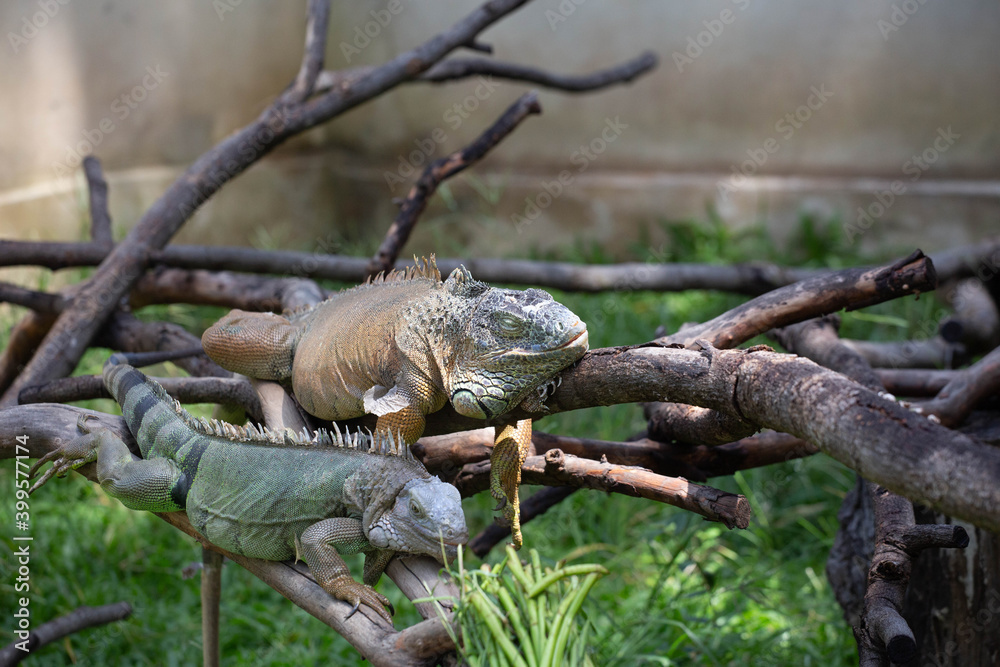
x,y
270,495
403,346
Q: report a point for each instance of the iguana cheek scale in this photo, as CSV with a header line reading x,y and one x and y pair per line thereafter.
x,y
270,495
402,346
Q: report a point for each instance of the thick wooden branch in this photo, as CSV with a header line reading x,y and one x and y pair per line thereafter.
x,y
207,288
914,381
437,172
969,386
933,352
676,422
97,189
750,279
556,468
289,115
80,618
850,288
872,435
818,340
236,392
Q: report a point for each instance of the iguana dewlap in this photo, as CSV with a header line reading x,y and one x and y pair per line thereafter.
x,y
402,346
270,495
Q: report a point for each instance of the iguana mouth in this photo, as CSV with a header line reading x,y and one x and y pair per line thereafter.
x,y
572,340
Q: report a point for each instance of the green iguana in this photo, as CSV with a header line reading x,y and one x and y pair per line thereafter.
x,y
267,494
403,345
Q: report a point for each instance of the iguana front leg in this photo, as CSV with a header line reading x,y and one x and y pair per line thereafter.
x,y
259,345
320,544
139,484
509,452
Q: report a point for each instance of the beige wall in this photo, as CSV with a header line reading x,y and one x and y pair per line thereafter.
x,y
191,75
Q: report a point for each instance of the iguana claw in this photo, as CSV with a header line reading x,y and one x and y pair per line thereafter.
x,y
501,503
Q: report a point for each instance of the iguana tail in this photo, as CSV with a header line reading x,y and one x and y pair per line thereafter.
x,y
148,410
259,345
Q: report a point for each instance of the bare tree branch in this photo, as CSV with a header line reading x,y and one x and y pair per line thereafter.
x,y
556,468
462,68
850,288
100,218
914,381
969,386
930,353
439,170
80,618
227,391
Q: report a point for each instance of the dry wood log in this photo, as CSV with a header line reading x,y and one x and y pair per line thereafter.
x,y
818,340
437,172
80,618
850,288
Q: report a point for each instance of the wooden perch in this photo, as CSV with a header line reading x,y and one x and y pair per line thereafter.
x,y
850,288
914,381
933,352
975,322
437,172
225,391
556,468
79,619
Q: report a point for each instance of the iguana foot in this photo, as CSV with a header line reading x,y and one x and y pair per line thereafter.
x,y
355,593
68,456
509,453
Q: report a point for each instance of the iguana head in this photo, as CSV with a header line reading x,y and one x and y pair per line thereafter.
x,y
512,342
426,513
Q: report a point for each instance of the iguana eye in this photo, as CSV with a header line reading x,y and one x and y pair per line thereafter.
x,y
415,509
508,324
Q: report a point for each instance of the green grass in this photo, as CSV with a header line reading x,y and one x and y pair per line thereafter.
x,y
681,591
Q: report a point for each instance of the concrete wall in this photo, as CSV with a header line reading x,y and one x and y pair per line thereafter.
x,y
761,109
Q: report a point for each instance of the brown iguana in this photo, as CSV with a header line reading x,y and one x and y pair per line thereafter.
x,y
270,495
403,345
